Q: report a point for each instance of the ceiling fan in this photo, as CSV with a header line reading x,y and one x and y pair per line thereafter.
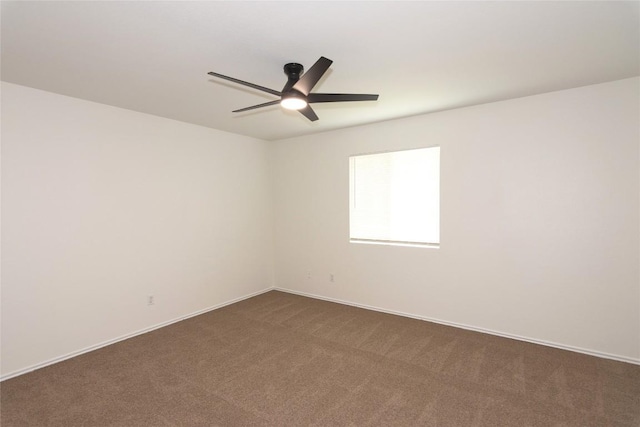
x,y
296,93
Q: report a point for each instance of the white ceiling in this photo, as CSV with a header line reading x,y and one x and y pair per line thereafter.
x,y
421,57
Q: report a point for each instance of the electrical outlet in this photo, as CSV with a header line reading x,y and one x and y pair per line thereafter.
x,y
151,300
308,275
331,278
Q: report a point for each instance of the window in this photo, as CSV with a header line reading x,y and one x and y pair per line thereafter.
x,y
395,197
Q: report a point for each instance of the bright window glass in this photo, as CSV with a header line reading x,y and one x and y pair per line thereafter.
x,y
395,197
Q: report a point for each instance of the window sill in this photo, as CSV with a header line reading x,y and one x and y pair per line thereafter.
x,y
394,243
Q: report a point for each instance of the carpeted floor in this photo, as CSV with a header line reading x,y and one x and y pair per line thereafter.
x,y
285,360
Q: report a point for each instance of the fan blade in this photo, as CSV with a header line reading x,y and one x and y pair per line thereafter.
x,y
242,82
266,104
309,113
311,77
340,97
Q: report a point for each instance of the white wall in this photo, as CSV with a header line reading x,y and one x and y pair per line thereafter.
x,y
104,206
540,219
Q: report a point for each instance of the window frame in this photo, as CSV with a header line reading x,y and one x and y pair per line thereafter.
x,y
407,243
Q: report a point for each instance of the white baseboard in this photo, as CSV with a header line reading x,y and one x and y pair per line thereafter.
x,y
127,336
470,328
305,294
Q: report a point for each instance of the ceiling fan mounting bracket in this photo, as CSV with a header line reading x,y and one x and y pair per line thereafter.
x,y
293,70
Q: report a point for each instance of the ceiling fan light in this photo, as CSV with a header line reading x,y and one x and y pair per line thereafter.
x,y
293,103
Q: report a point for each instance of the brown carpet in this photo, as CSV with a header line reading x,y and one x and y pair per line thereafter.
x,y
285,360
